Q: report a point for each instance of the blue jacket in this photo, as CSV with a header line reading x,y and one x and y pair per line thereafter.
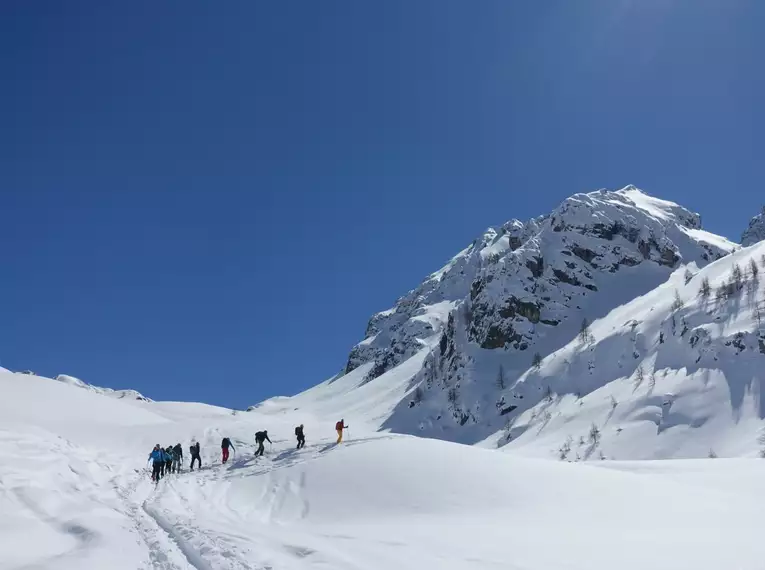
x,y
158,456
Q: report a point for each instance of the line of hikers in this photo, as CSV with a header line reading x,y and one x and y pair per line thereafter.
x,y
170,459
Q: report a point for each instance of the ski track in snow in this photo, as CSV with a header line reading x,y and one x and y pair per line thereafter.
x,y
203,549
176,543
164,552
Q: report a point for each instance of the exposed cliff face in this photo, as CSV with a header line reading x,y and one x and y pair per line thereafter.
x,y
755,233
573,255
394,335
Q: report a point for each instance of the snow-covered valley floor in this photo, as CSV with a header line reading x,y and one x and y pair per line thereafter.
x,y
75,494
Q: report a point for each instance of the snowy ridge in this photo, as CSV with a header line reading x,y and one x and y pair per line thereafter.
x,y
119,394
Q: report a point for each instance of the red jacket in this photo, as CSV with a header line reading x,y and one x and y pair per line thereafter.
x,y
339,426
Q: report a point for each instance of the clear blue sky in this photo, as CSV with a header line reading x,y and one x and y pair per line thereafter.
x,y
206,201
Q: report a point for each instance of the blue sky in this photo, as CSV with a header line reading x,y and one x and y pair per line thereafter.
x,y
207,201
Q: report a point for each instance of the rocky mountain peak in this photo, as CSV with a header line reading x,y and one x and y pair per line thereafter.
x,y
526,286
756,231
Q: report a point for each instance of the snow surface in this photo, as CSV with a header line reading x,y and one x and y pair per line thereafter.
x,y
74,494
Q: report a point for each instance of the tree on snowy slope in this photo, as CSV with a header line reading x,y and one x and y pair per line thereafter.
x,y
501,378
678,303
737,277
706,289
585,336
754,269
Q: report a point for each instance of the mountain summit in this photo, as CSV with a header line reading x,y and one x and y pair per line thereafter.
x,y
526,286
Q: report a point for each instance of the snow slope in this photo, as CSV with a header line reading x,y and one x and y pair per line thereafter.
x,y
74,494
671,374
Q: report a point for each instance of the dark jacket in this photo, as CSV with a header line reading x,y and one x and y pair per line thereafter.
x,y
299,432
262,436
226,443
194,449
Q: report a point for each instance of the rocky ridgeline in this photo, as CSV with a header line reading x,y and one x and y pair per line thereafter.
x,y
755,233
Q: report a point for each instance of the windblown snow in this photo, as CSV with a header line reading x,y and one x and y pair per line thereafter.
x,y
656,354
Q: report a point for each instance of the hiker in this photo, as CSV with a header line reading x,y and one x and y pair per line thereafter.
x,y
260,437
300,436
178,457
340,426
157,458
169,459
194,449
224,445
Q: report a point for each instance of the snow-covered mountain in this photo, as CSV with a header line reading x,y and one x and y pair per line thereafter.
x,y
756,231
119,394
459,349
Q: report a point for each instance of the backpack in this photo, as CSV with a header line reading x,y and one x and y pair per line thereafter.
x,y
225,443
339,426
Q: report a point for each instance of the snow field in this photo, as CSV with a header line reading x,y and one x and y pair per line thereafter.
x,y
83,499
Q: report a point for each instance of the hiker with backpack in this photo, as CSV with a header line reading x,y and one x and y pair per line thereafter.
x,y
260,437
178,458
169,459
157,457
300,436
224,445
194,449
339,427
